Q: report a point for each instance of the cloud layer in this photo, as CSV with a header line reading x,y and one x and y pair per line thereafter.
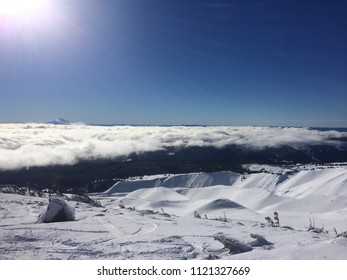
x,y
25,145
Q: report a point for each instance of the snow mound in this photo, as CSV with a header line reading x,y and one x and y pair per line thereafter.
x,y
221,204
57,211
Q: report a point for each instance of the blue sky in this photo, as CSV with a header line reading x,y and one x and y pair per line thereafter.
x,y
177,62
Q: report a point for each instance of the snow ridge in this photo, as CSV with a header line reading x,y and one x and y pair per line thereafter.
x,y
190,180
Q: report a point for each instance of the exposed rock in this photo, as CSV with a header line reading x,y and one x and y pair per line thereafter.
x,y
259,241
57,211
235,246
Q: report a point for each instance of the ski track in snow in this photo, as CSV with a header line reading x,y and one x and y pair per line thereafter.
x,y
158,221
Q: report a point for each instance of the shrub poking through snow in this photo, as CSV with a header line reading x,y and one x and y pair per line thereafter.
x,y
312,227
342,234
121,204
197,215
224,219
277,219
270,221
57,211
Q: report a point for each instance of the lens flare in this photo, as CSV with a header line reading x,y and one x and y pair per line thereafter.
x,y
14,8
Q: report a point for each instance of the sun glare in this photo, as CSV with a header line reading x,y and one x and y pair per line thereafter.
x,y
14,8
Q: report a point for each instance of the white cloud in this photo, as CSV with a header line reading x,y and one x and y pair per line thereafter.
x,y
23,145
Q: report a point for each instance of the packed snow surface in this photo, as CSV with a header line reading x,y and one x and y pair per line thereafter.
x,y
156,217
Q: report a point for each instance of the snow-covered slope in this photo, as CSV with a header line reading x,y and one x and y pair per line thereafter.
x,y
191,180
304,193
158,219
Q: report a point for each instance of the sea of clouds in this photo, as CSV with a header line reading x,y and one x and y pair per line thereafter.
x,y
26,145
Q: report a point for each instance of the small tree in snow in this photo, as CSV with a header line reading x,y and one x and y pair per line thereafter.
x,y
270,221
277,219
224,219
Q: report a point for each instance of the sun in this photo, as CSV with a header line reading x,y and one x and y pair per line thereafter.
x,y
19,8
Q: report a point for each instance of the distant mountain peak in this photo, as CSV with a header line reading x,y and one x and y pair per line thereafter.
x,y
60,121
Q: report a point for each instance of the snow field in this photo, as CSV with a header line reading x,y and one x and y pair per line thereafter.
x,y
158,220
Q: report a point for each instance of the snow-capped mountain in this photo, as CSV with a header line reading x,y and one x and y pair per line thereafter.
x,y
60,121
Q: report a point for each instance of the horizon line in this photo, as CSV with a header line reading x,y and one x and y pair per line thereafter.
x,y
175,125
